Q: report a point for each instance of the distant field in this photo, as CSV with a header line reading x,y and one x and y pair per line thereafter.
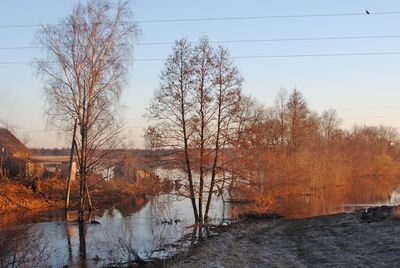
x,y
50,158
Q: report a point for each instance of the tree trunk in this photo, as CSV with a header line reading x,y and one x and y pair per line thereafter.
x,y
82,170
187,158
70,168
91,207
217,147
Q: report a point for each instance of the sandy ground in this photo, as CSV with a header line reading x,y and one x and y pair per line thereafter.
x,y
330,241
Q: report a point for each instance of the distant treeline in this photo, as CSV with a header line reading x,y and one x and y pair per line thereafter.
x,y
302,163
117,152
50,151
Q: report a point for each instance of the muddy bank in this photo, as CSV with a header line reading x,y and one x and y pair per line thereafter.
x,y
342,240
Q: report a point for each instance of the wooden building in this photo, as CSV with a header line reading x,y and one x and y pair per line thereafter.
x,y
14,156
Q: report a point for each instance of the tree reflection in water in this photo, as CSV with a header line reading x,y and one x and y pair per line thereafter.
x,y
82,244
158,228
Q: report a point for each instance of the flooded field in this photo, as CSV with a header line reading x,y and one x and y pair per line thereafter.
x,y
159,227
153,230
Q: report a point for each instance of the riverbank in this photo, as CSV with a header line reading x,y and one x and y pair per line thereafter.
x,y
341,240
49,194
15,196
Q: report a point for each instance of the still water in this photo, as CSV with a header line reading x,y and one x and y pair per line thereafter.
x,y
153,230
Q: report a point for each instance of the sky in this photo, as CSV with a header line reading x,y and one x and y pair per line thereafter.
x,y
364,89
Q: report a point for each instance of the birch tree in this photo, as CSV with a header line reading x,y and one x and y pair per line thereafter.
x,y
84,69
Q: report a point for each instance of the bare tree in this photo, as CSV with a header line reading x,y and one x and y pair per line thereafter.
x,y
281,111
388,137
227,84
87,57
172,107
329,122
202,91
194,108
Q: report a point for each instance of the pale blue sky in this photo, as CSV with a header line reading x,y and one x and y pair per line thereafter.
x,y
363,89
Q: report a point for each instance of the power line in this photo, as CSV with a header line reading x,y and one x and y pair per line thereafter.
x,y
22,47
25,26
308,39
250,57
270,17
227,18
243,41
318,55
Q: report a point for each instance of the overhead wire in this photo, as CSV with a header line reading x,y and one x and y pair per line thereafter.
x,y
15,26
242,41
250,57
293,16
269,17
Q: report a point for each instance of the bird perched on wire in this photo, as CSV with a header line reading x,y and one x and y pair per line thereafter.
x,y
366,11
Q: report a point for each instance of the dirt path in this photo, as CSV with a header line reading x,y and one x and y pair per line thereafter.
x,y
331,241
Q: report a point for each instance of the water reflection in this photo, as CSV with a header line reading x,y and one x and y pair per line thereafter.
x,y
300,202
125,232
70,232
153,229
82,244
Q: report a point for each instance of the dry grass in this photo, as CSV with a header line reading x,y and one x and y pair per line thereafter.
x,y
50,193
16,195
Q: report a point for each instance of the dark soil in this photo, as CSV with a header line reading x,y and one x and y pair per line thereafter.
x,y
342,240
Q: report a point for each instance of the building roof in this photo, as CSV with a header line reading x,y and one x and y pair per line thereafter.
x,y
12,144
